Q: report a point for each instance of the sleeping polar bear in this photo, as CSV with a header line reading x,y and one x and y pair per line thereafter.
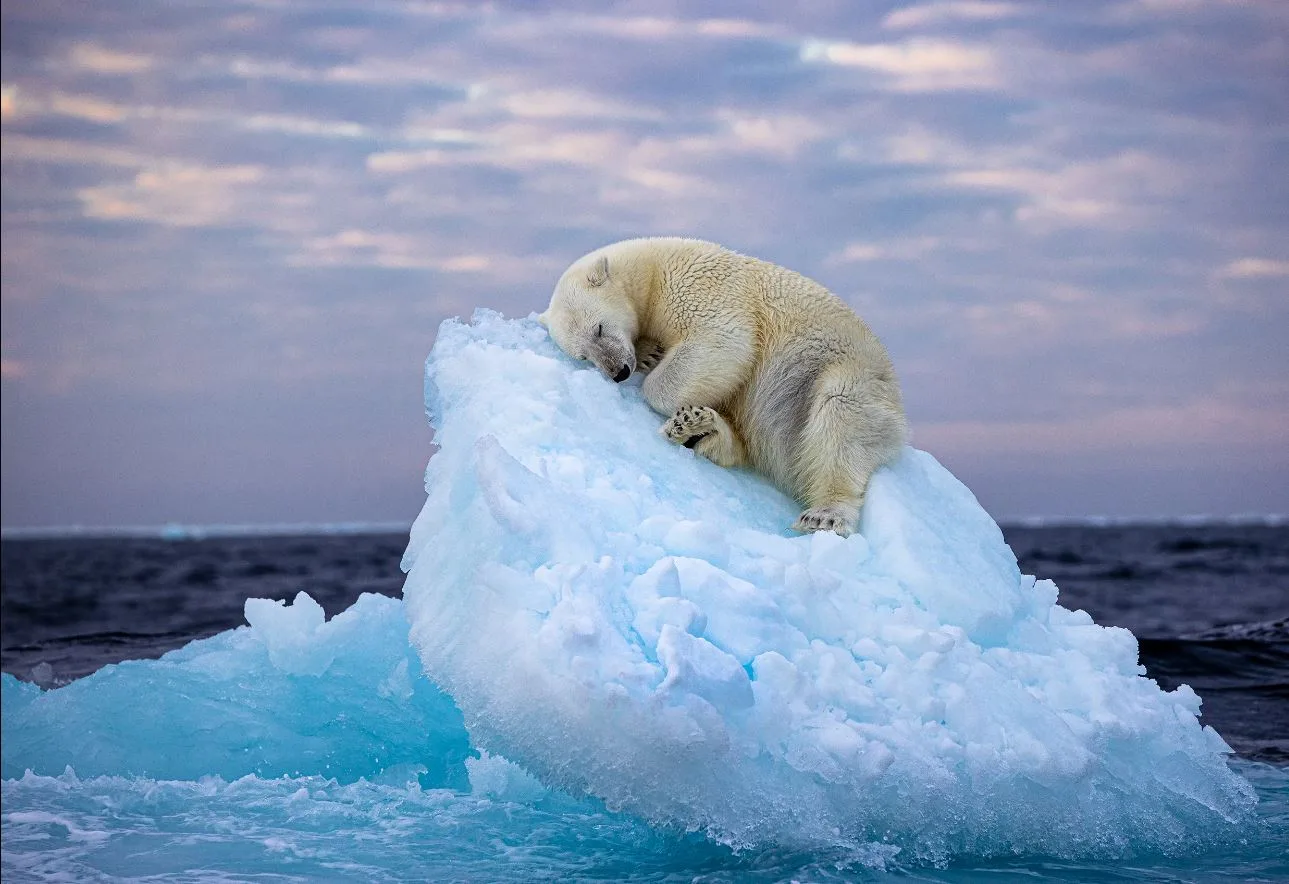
x,y
752,364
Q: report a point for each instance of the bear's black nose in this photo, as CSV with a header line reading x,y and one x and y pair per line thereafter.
x,y
622,375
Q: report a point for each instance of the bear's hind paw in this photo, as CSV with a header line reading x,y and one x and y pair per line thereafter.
x,y
826,518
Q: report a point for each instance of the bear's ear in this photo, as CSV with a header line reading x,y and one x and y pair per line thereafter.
x,y
599,274
544,319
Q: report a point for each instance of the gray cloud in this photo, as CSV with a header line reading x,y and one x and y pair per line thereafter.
x,y
230,230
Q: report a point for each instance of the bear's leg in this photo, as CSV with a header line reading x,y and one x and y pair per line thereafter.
x,y
704,430
846,438
704,369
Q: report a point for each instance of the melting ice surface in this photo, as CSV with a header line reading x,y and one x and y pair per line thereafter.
x,y
670,673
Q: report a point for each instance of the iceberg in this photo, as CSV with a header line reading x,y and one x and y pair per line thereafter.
x,y
625,620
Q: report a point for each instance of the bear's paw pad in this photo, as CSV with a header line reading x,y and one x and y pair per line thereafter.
x,y
690,425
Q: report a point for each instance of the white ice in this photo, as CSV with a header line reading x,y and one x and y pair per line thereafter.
x,y
624,619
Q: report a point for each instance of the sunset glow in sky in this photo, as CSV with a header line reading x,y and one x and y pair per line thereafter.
x,y
231,229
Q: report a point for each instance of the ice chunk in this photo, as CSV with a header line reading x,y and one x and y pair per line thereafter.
x,y
292,634
696,666
288,695
626,620
496,777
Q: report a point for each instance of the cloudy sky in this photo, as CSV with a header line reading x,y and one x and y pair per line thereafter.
x,y
231,229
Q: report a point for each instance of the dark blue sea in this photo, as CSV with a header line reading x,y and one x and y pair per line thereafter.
x,y
1209,604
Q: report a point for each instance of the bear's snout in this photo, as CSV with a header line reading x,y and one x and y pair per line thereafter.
x,y
622,375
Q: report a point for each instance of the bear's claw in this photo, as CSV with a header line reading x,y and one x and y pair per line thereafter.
x,y
648,354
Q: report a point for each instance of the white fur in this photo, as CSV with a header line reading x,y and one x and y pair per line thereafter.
x,y
752,363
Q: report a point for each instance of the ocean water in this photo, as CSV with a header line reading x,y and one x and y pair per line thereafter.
x,y
1208,603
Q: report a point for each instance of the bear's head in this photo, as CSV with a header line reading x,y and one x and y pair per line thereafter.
x,y
591,318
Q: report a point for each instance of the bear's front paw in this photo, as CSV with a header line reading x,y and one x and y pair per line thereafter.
x,y
648,354
825,518
690,425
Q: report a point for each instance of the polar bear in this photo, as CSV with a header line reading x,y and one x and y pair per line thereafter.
x,y
751,364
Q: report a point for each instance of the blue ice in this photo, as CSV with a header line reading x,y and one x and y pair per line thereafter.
x,y
291,694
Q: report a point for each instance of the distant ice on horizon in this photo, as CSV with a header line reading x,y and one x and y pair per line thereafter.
x,y
181,531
